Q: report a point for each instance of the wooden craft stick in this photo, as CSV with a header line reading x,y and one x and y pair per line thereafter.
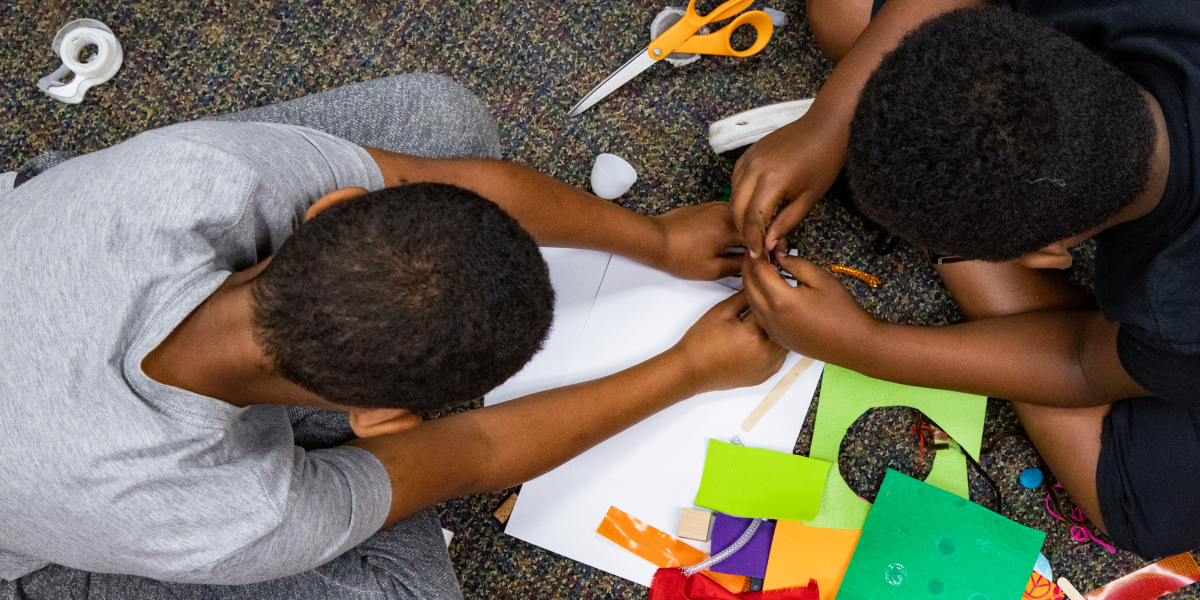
x,y
779,390
505,511
1069,589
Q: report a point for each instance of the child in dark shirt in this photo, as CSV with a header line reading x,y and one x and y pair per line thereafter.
x,y
996,139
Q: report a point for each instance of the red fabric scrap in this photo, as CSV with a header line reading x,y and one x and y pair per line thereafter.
x,y
670,584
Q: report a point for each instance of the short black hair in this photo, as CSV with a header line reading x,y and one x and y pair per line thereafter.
x,y
420,296
989,135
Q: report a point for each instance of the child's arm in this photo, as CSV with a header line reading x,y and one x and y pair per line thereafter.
x,y
500,446
1065,358
687,242
793,167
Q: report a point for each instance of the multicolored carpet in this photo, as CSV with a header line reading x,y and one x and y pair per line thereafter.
x,y
529,61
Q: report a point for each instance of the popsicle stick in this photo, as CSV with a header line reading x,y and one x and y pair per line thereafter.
x,y
1069,589
776,393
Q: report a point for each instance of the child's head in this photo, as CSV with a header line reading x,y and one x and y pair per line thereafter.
x,y
420,297
989,135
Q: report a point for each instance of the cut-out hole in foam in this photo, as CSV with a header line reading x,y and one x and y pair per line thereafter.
x,y
882,439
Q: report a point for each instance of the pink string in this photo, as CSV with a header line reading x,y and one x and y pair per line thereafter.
x,y
1082,534
1051,510
1079,533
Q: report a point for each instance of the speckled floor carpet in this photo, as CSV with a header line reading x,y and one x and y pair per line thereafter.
x,y
529,61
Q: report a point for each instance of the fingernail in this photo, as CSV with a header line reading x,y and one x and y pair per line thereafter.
x,y
753,254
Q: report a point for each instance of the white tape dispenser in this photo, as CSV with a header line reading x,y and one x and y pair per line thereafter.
x,y
70,40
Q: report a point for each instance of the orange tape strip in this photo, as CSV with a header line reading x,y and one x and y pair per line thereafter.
x,y
659,548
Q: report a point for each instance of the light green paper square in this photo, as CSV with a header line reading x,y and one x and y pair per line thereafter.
x,y
846,395
923,543
949,472
761,484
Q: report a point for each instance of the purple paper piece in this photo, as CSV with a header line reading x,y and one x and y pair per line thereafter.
x,y
751,559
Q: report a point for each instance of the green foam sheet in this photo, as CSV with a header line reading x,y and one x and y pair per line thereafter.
x,y
923,543
763,484
846,395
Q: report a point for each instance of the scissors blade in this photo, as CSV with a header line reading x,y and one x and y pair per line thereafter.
x,y
620,77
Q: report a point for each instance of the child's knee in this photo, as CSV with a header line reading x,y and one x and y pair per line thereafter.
x,y
447,92
836,24
475,131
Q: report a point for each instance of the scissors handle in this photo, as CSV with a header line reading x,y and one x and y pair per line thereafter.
x,y
691,22
718,41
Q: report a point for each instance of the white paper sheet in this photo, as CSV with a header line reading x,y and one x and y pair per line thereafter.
x,y
653,469
576,276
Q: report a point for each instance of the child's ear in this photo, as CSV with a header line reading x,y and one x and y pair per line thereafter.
x,y
1053,256
371,422
338,195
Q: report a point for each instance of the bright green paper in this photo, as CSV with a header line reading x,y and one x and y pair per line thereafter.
x,y
922,543
846,395
949,472
762,484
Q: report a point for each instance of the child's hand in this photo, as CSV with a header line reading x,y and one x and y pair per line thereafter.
x,y
817,318
789,170
694,242
724,351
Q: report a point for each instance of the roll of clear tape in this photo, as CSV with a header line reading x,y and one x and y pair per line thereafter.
x,y
665,19
67,44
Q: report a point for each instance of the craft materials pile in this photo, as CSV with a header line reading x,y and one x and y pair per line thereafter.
x,y
719,471
753,520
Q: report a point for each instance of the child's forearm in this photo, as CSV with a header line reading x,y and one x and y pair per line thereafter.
x,y
1051,358
510,443
555,213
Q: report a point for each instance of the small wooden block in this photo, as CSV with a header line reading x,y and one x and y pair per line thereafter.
x,y
694,524
505,511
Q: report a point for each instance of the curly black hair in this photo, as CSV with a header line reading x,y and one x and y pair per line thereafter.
x,y
989,135
420,296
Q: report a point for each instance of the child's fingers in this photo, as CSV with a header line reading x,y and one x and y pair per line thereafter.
x,y
805,271
751,201
762,282
728,266
762,275
732,307
789,216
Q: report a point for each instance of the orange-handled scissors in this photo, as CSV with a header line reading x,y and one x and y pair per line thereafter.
x,y
681,37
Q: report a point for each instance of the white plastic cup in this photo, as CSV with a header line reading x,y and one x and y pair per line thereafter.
x,y
612,176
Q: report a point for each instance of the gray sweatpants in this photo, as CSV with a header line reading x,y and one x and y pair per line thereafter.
x,y
425,115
